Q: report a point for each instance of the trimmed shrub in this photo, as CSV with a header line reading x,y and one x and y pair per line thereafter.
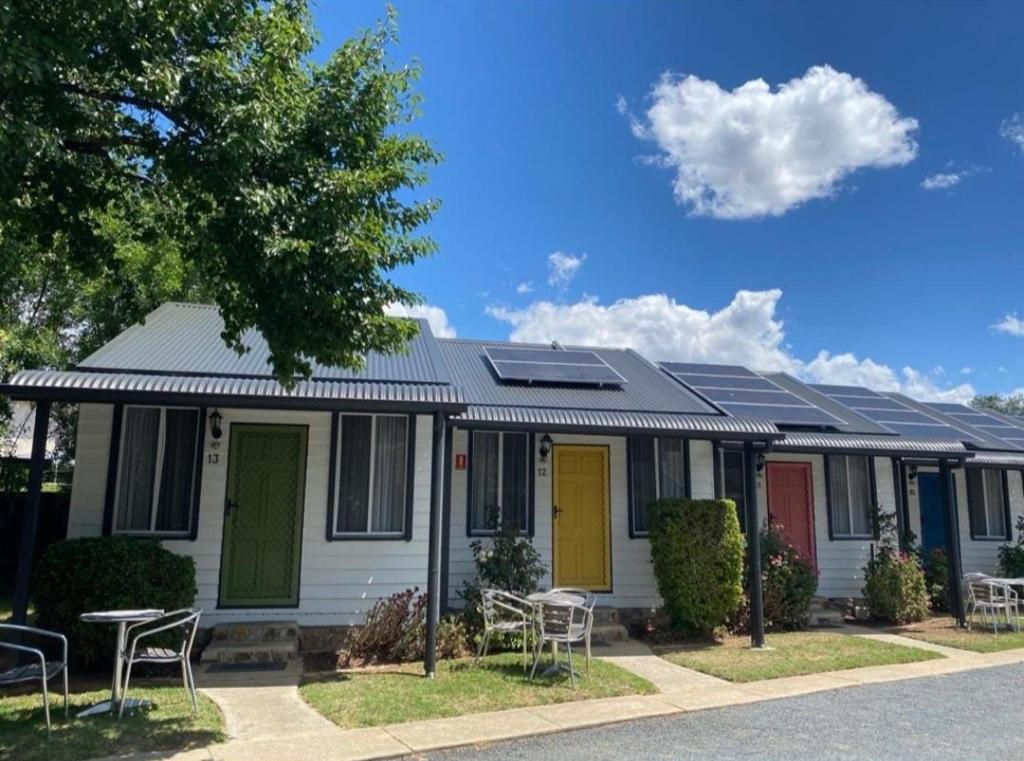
x,y
396,631
936,580
106,573
895,587
788,582
697,552
1011,556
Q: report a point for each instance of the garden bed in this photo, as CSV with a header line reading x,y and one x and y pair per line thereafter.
x,y
168,725
788,654
943,631
392,695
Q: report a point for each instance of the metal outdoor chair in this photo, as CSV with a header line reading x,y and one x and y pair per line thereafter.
x,y
506,614
44,670
589,601
992,599
185,621
562,623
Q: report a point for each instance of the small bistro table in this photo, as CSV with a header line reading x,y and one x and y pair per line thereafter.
x,y
122,618
537,599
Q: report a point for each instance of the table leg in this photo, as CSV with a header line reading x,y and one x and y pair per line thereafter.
x,y
118,661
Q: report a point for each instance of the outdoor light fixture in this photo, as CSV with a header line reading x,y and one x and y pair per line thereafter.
x,y
215,430
913,473
545,446
760,462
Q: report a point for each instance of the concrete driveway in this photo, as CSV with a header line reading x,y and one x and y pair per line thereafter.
x,y
973,715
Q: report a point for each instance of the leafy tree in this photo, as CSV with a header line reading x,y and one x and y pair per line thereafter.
x,y
1011,404
167,148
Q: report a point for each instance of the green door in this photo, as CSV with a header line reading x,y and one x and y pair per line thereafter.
x,y
263,516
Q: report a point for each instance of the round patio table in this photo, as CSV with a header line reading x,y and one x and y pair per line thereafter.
x,y
537,599
122,618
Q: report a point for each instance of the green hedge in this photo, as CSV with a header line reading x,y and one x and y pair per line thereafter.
x,y
106,573
697,552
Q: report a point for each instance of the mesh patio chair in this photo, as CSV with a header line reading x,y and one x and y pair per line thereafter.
x,y
506,614
992,599
561,623
186,622
44,670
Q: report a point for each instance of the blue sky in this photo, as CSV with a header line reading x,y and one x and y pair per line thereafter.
x,y
698,220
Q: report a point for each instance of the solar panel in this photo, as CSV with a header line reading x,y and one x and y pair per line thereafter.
x,y
891,413
1003,428
584,368
743,393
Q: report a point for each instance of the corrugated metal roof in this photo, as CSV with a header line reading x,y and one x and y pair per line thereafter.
x,y
106,386
855,423
894,445
998,459
647,390
618,421
186,339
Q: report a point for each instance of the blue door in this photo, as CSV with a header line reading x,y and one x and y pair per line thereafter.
x,y
933,528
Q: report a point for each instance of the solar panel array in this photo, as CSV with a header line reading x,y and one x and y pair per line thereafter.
x,y
1002,429
892,414
743,393
584,368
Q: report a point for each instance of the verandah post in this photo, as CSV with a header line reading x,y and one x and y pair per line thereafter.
x,y
947,489
434,544
30,518
753,546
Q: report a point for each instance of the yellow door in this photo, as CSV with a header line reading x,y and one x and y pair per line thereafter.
x,y
582,551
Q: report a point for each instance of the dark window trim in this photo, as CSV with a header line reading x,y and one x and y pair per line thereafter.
x,y
1008,533
405,535
634,533
114,464
718,462
531,490
872,508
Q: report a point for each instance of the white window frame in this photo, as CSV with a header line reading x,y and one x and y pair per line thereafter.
x,y
157,475
523,530
988,535
409,432
849,498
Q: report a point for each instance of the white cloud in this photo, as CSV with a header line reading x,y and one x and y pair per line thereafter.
x,y
436,317
942,180
1013,130
746,331
524,287
966,370
563,267
1011,324
754,152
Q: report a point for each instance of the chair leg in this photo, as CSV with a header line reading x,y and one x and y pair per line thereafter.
x,y
588,653
184,680
484,644
537,652
124,689
192,685
572,669
46,704
65,691
525,657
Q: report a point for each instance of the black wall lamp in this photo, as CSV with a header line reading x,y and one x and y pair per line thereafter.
x,y
912,474
545,446
215,429
759,462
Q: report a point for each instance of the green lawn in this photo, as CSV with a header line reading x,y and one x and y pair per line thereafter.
x,y
373,698
943,631
790,654
169,724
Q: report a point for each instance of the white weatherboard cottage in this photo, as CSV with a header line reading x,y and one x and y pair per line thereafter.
x,y
310,504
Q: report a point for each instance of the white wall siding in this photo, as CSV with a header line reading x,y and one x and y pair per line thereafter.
x,y
339,581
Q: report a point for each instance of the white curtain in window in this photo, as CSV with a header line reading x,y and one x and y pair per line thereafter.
x,y
860,495
389,472
139,439
672,468
484,476
839,500
181,429
994,503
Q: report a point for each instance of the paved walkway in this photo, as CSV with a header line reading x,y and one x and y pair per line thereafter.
x,y
274,724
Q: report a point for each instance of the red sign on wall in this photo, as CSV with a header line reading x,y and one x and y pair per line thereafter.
x,y
460,462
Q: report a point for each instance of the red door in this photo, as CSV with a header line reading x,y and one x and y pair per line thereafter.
x,y
791,504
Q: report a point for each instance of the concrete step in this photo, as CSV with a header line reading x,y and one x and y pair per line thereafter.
x,y
250,651
605,614
602,634
237,675
825,617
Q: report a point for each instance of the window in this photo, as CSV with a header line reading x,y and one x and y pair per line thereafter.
x,y
850,497
156,471
986,503
734,482
658,469
499,481
373,475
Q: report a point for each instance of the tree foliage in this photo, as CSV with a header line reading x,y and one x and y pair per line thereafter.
x,y
1010,404
192,149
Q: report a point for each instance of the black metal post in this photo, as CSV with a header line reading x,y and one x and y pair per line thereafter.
x,y
898,489
753,547
947,490
30,518
434,544
446,515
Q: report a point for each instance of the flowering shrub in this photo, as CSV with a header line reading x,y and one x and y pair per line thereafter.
x,y
1011,556
788,581
894,583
